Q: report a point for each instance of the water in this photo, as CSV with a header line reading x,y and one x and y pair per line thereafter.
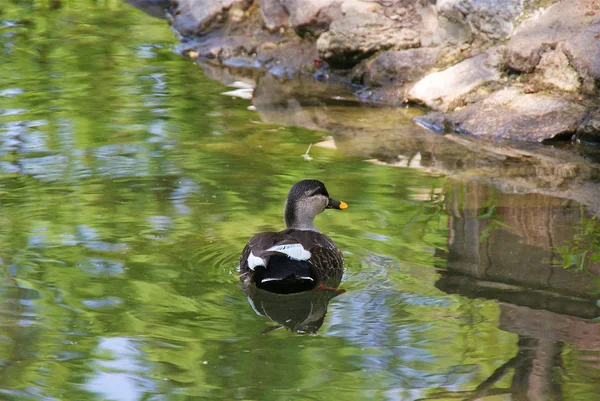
x,y
130,185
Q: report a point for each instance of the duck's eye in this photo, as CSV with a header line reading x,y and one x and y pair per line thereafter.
x,y
318,191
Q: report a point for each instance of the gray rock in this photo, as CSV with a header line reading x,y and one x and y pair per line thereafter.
x,y
312,17
356,37
396,67
554,71
584,53
488,19
393,45
200,16
543,31
510,114
444,90
221,48
589,131
274,14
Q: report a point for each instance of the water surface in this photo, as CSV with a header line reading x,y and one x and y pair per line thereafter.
x,y
130,184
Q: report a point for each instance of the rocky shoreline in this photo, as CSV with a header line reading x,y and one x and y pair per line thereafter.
x,y
510,69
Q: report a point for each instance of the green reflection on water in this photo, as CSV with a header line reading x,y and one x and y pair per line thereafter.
x,y
129,186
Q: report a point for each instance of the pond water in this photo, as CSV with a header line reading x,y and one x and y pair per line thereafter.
x,y
129,185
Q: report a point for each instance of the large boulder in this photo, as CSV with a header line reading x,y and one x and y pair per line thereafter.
x,y
358,35
488,19
313,17
584,54
397,67
201,16
445,90
543,31
511,114
497,69
274,14
554,71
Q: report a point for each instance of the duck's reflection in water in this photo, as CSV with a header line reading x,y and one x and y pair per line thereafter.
x,y
302,312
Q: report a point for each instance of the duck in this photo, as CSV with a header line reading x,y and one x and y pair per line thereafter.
x,y
299,258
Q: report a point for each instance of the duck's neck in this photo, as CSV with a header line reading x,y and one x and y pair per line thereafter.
x,y
298,218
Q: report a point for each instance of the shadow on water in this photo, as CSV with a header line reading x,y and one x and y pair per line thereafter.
x,y
154,8
504,247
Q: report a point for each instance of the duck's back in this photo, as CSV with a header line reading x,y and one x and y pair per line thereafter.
x,y
316,249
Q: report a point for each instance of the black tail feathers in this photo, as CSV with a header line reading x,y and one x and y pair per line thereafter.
x,y
285,276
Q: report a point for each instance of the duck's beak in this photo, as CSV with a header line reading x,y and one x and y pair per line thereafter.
x,y
333,204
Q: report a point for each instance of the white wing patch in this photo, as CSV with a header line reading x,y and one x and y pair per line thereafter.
x,y
293,251
266,280
254,261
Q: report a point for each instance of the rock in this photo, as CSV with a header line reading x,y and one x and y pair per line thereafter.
x,y
488,19
274,14
215,47
510,114
589,131
554,71
356,37
391,47
543,31
398,66
237,13
295,55
444,90
584,53
312,17
200,16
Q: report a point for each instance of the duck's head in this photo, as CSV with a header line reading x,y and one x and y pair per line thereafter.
x,y
306,199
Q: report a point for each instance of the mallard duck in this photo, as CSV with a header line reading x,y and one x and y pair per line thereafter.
x,y
299,258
